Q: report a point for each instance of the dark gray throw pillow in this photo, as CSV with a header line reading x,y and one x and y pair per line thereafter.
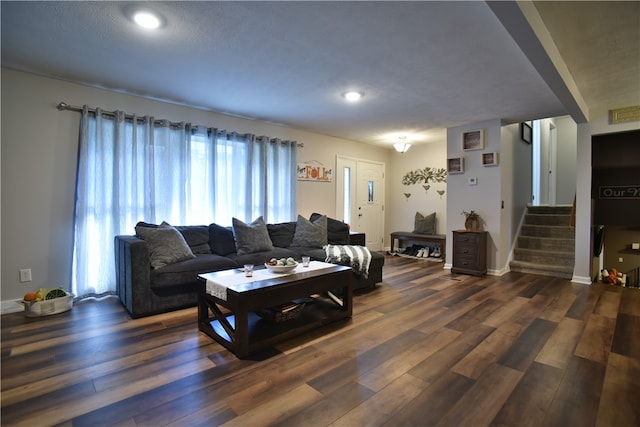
x,y
310,234
425,224
166,245
282,234
251,238
337,231
197,237
221,239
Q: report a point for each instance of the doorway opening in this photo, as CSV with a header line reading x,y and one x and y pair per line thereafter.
x,y
360,198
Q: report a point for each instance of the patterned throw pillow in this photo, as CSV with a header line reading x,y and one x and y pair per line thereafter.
x,y
425,224
251,238
166,245
310,234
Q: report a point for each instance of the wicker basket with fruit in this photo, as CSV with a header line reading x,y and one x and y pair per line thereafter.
x,y
43,303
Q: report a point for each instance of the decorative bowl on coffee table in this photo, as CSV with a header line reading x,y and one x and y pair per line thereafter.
x,y
281,268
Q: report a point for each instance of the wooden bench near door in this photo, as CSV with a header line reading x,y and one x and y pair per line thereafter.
x,y
415,237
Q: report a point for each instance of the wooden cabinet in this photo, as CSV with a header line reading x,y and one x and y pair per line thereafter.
x,y
470,252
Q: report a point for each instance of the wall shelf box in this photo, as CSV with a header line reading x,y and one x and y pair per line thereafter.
x,y
490,159
455,165
473,140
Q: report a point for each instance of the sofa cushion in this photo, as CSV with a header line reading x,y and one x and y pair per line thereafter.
x,y
221,240
316,254
282,234
166,245
310,234
251,238
197,237
337,231
186,272
425,224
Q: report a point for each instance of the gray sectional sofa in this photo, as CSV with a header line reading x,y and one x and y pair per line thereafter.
x,y
157,269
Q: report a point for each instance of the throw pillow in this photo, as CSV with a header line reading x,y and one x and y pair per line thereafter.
x,y
337,231
310,234
197,237
221,240
425,224
282,234
166,245
251,238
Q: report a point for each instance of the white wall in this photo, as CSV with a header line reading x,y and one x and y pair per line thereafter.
x,y
400,211
516,164
39,151
567,157
484,198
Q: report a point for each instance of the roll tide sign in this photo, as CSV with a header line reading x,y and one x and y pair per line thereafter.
x,y
619,192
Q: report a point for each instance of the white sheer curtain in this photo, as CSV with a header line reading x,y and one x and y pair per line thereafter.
x,y
134,169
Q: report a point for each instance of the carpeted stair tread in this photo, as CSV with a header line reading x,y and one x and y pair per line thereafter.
x,y
546,243
563,271
542,219
550,210
544,256
557,231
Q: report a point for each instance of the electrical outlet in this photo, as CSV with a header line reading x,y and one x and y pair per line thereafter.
x,y
25,275
635,246
620,259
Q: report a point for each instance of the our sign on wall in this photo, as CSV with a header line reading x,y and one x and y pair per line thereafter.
x,y
619,192
314,171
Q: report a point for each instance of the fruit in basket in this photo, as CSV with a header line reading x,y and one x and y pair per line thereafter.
x,y
55,293
29,296
40,294
282,262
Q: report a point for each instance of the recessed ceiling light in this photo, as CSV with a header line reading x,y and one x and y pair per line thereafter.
x,y
146,20
352,96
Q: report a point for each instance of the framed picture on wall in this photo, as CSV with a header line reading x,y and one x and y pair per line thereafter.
x,y
525,132
490,159
473,140
455,165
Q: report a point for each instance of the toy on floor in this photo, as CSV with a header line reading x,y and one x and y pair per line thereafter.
x,y
613,277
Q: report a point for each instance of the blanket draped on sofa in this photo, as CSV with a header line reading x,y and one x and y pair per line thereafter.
x,y
357,257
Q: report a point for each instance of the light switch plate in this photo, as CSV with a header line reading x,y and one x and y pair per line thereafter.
x,y
473,181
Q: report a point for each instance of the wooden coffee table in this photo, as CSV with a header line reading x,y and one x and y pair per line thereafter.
x,y
232,321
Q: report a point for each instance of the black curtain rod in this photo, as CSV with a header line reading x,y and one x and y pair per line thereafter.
x,y
63,106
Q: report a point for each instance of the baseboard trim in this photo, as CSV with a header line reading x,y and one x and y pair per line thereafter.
x,y
500,272
582,280
447,266
11,306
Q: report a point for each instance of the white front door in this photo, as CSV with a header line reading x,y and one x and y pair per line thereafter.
x,y
360,196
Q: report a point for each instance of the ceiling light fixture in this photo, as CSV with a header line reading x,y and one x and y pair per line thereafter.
x,y
353,96
147,20
402,146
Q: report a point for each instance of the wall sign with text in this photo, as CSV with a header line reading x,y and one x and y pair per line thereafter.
x,y
619,192
314,171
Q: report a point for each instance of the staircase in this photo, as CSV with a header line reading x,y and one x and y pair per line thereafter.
x,y
545,245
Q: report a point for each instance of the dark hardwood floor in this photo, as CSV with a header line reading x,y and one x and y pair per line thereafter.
x,y
425,348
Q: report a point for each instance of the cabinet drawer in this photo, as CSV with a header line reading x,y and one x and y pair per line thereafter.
x,y
466,261
471,239
466,248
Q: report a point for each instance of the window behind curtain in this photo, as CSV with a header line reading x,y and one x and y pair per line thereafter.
x,y
140,169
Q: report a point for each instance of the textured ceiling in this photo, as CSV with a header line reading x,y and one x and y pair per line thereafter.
x,y
424,66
